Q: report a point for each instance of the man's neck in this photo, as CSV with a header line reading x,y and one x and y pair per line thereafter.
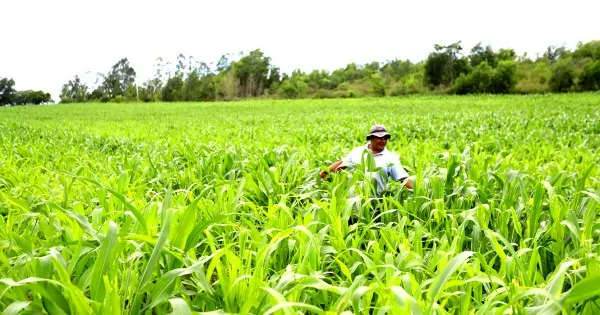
x,y
374,152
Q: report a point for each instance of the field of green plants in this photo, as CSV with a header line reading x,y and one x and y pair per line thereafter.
x,y
217,208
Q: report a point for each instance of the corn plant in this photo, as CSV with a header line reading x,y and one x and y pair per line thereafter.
x,y
218,208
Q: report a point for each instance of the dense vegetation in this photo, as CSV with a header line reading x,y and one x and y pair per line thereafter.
x,y
448,69
218,207
10,96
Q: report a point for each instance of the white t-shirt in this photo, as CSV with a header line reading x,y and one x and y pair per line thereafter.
x,y
387,164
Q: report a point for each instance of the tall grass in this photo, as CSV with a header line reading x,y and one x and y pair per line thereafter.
x,y
218,208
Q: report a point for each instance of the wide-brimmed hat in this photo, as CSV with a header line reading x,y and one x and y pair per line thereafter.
x,y
378,131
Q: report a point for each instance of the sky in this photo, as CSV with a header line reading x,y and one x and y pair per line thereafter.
x,y
46,43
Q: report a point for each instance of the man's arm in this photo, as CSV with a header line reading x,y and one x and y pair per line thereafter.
x,y
400,174
332,168
407,183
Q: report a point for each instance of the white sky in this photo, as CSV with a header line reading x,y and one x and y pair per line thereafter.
x,y
45,43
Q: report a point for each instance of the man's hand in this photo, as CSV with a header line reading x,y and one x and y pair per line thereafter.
x,y
332,168
407,184
323,174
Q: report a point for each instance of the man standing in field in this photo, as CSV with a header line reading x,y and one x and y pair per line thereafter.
x,y
386,162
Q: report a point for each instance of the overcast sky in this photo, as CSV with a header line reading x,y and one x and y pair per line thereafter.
x,y
46,43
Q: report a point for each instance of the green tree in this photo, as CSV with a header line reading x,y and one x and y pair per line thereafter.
x,y
147,92
119,77
190,91
319,79
274,78
478,81
223,63
588,50
7,91
589,79
171,92
553,53
252,72
397,69
505,54
504,77
377,85
180,67
295,86
32,97
480,54
76,91
563,76
444,65
208,88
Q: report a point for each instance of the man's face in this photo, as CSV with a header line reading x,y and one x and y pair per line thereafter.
x,y
378,144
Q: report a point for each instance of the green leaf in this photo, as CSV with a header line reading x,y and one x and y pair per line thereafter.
x,y
102,263
180,307
138,215
404,300
445,274
583,290
15,308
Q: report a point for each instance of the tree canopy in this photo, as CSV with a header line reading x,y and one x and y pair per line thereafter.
x,y
449,68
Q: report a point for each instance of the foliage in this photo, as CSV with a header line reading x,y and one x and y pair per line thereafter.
x,y
30,97
216,208
10,96
119,78
485,79
563,76
445,70
589,79
444,65
7,91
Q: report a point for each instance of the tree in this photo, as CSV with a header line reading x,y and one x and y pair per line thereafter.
x,y
153,86
294,86
180,66
504,77
252,72
223,63
553,53
588,50
117,80
563,76
480,54
444,65
397,69
7,91
507,55
478,81
147,92
32,97
190,90
171,92
319,79
75,91
377,85
274,78
589,79
485,79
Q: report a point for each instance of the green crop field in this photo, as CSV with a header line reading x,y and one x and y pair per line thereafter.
x,y
215,208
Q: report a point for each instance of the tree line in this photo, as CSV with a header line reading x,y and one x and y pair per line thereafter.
x,y
10,96
448,69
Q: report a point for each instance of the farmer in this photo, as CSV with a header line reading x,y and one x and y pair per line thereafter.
x,y
384,159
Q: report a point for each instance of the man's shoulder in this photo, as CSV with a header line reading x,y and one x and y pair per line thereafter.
x,y
357,149
355,153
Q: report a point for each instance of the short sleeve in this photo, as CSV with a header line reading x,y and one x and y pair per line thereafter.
x,y
350,158
397,171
